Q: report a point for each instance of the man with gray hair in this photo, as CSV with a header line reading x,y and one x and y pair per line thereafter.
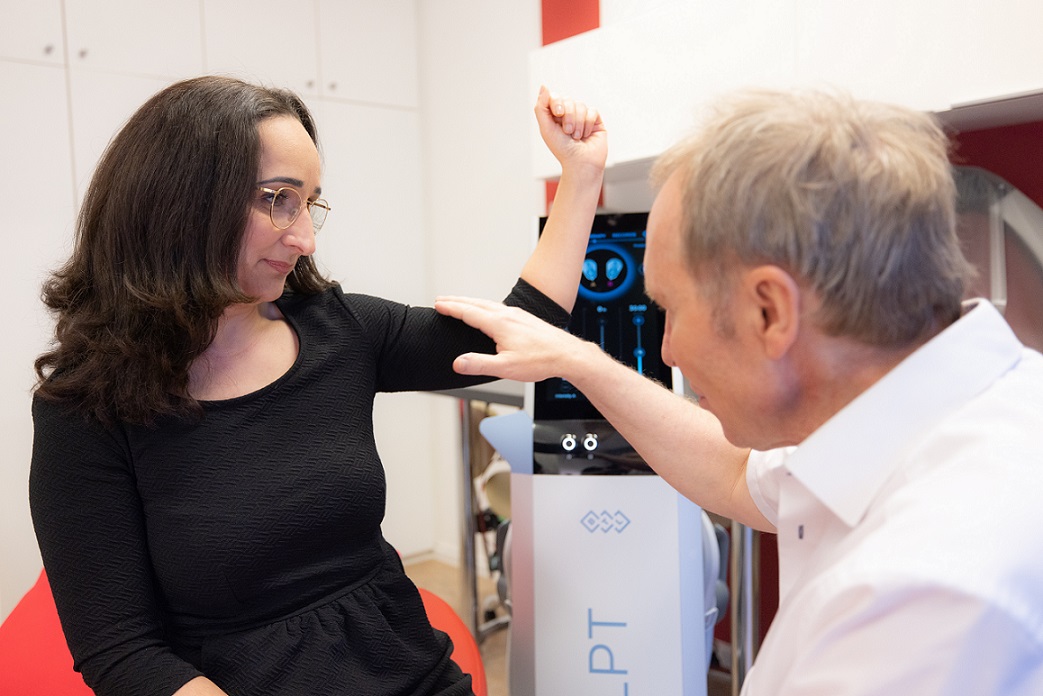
x,y
803,248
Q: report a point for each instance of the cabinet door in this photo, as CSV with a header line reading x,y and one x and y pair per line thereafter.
x,y
101,103
39,209
162,39
374,240
368,51
37,223
32,31
270,42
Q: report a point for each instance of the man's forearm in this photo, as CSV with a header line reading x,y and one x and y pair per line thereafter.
x,y
682,442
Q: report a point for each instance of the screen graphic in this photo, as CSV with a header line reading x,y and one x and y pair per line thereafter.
x,y
612,311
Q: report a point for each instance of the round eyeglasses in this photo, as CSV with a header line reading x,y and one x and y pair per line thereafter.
x,y
286,206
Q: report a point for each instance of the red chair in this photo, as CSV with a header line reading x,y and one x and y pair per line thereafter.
x,y
35,660
465,647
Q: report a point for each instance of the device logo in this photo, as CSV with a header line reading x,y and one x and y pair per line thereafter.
x,y
605,521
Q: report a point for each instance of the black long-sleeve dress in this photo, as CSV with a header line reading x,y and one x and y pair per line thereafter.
x,y
247,547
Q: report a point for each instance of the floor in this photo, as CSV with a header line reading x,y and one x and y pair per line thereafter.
x,y
447,582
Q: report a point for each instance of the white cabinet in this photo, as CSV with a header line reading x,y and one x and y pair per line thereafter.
x,y
355,50
931,54
368,51
38,216
270,42
39,212
101,103
32,31
133,37
374,241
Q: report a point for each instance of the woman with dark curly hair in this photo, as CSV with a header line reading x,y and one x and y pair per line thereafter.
x,y
205,485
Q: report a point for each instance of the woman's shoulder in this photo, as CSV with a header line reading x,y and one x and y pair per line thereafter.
x,y
62,415
365,312
64,433
330,297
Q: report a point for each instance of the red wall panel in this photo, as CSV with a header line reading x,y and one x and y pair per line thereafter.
x,y
1013,152
565,18
562,19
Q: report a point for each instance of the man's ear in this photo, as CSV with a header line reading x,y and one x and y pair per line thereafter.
x,y
775,295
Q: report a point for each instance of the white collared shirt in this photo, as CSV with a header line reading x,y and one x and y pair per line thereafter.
x,y
910,530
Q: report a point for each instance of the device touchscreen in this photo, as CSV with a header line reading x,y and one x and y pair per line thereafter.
x,y
611,310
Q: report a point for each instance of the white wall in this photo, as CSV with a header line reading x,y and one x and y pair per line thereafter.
x,y
653,65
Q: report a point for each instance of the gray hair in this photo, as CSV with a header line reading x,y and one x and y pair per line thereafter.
x,y
855,199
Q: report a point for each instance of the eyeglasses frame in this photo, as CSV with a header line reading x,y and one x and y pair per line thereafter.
x,y
321,202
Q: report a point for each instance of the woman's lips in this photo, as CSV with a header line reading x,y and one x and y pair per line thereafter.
x,y
280,266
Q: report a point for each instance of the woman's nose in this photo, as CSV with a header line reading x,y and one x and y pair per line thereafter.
x,y
301,234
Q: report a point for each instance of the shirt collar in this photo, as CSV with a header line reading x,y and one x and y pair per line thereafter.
x,y
846,461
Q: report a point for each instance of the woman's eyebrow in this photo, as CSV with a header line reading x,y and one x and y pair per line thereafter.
x,y
287,180
282,180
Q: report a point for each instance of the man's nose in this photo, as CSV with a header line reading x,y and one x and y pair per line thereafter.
x,y
666,352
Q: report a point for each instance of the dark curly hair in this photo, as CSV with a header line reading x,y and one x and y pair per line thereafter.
x,y
157,242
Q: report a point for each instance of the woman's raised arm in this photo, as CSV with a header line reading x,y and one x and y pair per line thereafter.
x,y
576,136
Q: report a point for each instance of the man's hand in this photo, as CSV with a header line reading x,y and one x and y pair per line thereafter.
x,y
527,349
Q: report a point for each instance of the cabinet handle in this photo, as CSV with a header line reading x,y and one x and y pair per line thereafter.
x,y
83,53
309,84
48,49
333,86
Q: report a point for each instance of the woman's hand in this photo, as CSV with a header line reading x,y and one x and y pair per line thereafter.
x,y
576,136
572,131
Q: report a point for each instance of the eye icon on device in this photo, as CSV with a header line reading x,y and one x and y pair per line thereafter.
x,y
568,442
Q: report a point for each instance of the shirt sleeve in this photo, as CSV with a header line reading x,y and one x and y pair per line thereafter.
x,y
763,470
416,346
90,526
535,302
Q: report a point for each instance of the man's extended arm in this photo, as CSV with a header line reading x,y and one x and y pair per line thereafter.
x,y
682,442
